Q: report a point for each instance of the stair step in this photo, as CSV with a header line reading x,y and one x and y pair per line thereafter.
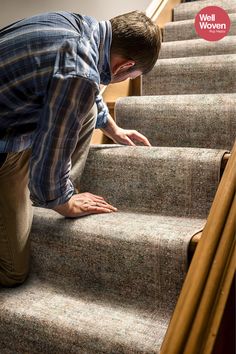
x,y
157,179
189,10
38,318
184,30
204,121
192,75
197,47
124,253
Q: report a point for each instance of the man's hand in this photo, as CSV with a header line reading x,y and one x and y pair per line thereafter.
x,y
84,204
123,136
129,137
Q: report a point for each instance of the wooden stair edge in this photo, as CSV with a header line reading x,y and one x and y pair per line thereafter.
x,y
197,236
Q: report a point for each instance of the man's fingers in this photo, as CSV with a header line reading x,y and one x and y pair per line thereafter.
x,y
89,205
139,137
95,209
84,204
128,141
103,205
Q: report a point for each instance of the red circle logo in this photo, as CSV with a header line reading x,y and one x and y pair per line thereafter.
x,y
212,23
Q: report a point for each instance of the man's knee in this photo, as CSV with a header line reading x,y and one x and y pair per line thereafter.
x,y
13,277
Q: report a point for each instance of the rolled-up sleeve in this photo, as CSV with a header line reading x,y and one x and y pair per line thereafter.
x,y
102,112
68,101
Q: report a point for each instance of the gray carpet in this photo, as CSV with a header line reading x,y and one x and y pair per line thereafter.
x,y
169,181
185,30
181,120
108,284
124,253
197,75
188,11
197,48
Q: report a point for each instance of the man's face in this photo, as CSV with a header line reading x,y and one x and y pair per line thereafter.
x,y
122,76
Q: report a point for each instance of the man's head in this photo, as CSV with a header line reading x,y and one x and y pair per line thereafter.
x,y
135,47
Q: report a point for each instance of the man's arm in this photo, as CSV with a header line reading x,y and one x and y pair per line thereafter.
x,y
68,101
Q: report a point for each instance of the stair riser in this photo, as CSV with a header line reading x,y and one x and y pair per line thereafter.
x,y
181,120
153,181
189,10
185,30
197,47
198,75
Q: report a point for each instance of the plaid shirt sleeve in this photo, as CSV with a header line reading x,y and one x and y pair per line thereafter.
x,y
68,98
102,112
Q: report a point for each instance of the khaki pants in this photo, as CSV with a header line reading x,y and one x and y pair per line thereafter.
x,y
16,211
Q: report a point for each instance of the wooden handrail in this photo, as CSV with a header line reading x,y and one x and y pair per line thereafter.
x,y
197,237
210,310
155,8
200,295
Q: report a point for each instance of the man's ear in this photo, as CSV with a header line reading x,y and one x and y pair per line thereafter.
x,y
118,68
119,64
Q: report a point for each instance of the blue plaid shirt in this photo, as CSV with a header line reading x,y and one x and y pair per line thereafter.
x,y
51,66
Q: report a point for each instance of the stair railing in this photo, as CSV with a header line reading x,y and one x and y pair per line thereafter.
x,y
156,8
199,310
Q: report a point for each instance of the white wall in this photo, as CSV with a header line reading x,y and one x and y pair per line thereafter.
x,y
12,10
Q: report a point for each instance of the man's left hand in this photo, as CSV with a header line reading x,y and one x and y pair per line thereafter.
x,y
123,136
129,137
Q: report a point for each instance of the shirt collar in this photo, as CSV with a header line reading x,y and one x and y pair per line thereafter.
x,y
104,52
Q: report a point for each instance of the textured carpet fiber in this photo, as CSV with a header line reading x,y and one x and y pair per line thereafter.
x,y
125,253
197,47
73,322
183,120
192,75
184,30
169,181
108,284
188,10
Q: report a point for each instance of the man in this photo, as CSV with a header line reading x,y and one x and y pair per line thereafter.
x,y
51,69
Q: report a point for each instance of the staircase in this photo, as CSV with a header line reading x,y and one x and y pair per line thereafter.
x,y
109,283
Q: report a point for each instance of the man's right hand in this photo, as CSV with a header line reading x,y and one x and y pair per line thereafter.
x,y
84,204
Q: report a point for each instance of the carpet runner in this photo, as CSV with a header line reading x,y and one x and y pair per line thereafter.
x,y
108,284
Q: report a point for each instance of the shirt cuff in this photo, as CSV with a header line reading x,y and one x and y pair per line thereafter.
x,y
52,203
102,119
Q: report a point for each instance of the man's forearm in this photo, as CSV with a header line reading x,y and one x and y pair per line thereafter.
x,y
111,128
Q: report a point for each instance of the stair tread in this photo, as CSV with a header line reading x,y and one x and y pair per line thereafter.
x,y
198,47
181,120
122,251
229,58
190,9
126,225
48,320
191,75
185,29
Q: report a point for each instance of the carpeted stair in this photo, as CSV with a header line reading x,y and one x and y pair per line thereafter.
x,y
184,30
192,75
182,120
109,283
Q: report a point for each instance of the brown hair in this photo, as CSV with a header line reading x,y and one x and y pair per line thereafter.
x,y
136,37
